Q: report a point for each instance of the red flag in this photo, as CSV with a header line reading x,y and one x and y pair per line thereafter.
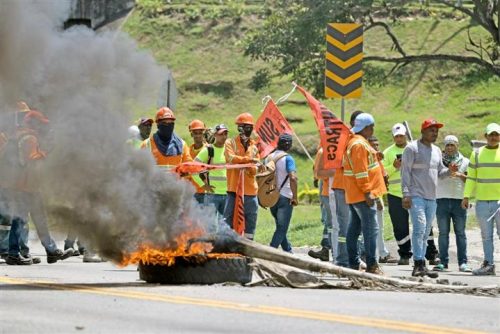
x,y
269,126
332,131
239,210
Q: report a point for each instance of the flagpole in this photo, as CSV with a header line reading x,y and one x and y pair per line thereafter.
x,y
342,109
303,147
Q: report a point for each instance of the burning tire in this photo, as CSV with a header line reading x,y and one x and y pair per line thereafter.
x,y
235,269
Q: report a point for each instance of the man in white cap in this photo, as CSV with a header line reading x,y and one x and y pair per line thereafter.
x,y
483,182
450,193
399,215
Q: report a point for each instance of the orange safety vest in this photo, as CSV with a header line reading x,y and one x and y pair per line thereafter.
x,y
167,162
235,153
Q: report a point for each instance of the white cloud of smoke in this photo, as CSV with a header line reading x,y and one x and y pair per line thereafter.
x,y
84,82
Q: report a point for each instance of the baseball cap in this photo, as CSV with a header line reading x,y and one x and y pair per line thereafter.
x,y
431,122
144,120
220,128
362,121
398,129
450,139
492,127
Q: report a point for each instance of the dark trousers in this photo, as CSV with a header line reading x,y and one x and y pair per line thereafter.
x,y
400,225
400,219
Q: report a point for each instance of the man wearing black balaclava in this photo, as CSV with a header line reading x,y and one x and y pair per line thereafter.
x,y
167,148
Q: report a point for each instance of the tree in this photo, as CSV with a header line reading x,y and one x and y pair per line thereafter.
x,y
293,35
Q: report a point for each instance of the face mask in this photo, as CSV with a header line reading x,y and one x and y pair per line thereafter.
x,y
166,130
245,130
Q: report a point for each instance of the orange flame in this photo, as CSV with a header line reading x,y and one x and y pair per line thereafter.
x,y
150,254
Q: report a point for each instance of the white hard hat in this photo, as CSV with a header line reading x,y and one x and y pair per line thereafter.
x,y
133,131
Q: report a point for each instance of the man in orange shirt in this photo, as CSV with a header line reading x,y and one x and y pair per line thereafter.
x,y
166,147
363,182
242,149
197,130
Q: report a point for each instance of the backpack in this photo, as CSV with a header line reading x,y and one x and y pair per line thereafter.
x,y
205,175
268,193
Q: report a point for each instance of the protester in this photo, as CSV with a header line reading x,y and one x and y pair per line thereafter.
x,y
286,180
214,183
197,130
134,140
383,254
25,196
328,240
168,149
450,193
242,149
342,210
145,125
364,183
399,215
483,182
421,165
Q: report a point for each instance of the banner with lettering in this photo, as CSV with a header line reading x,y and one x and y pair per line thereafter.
x,y
269,126
332,131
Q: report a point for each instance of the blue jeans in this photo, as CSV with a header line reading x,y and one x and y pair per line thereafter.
x,y
326,241
422,214
250,206
200,198
363,219
450,210
343,217
217,201
282,213
484,211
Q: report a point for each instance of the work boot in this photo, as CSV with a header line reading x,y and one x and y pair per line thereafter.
x,y
427,272
485,270
403,261
18,260
374,269
323,254
388,259
75,251
53,257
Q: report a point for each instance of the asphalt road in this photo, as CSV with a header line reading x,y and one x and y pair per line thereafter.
x,y
76,297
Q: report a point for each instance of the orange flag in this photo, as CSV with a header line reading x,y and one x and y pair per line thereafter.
x,y
332,131
239,211
269,126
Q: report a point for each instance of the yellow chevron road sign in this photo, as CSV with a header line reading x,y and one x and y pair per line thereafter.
x,y
344,58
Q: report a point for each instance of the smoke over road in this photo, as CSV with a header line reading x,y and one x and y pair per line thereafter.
x,y
85,83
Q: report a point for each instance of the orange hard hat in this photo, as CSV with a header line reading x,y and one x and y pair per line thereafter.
x,y
196,124
245,118
23,106
164,113
35,115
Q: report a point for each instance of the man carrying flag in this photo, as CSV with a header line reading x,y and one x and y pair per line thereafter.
x,y
242,205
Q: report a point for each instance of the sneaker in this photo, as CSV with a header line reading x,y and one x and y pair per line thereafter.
x,y
486,269
18,260
440,267
362,265
388,259
323,254
75,251
465,268
34,260
403,261
375,269
91,257
59,255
